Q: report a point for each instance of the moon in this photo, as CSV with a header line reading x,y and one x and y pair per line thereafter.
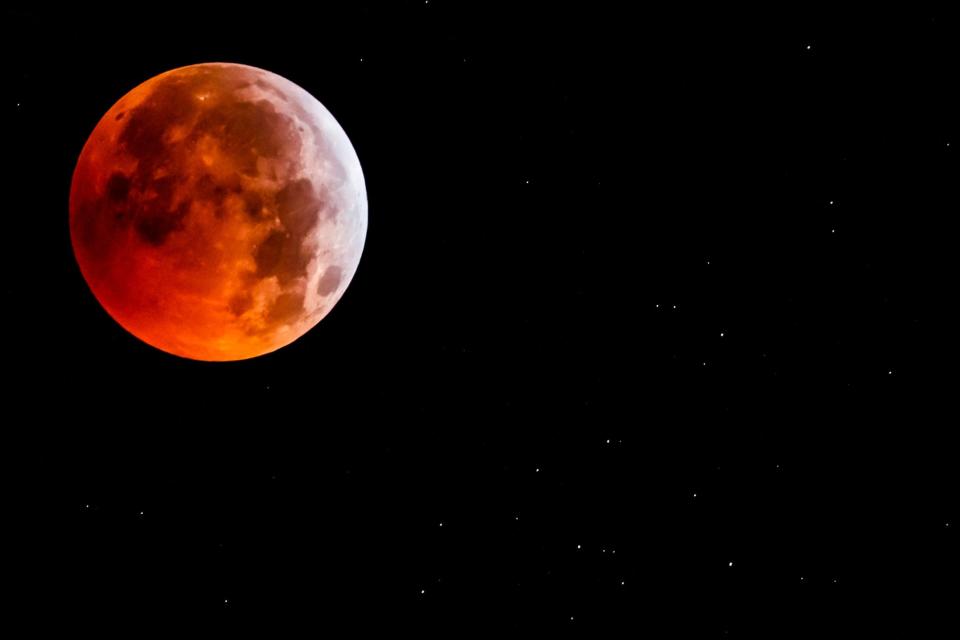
x,y
218,212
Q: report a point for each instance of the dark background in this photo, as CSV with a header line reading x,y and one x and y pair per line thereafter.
x,y
644,295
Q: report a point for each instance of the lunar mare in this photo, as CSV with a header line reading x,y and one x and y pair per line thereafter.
x,y
218,212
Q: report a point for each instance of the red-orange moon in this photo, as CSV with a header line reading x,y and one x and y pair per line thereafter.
x,y
218,211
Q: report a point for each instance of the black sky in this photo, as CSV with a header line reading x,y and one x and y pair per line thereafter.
x,y
652,333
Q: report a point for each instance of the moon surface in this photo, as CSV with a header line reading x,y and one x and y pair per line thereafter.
x,y
218,212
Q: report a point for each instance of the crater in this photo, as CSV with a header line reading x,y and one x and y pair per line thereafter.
x,y
330,280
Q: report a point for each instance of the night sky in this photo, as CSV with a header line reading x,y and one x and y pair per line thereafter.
x,y
649,337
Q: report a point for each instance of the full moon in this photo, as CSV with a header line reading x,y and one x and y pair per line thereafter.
x,y
218,212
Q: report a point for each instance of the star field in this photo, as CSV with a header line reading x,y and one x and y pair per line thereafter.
x,y
649,336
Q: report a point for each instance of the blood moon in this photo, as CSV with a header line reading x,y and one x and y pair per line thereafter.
x,y
218,211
